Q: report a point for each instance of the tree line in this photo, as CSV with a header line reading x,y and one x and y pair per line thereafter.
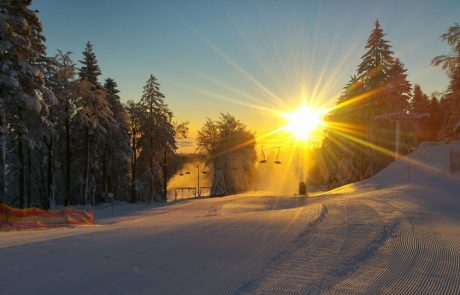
x,y
361,138
65,136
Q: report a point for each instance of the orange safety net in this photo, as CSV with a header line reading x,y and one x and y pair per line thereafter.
x,y
14,218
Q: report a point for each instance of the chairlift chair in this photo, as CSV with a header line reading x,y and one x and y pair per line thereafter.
x,y
204,168
277,161
188,171
263,161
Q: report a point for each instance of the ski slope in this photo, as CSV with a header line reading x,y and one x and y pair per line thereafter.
x,y
391,234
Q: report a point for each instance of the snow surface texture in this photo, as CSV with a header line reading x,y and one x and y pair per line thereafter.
x,y
385,235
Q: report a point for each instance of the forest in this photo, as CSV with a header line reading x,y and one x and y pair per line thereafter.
x,y
378,98
68,138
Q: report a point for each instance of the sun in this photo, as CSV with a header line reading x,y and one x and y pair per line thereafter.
x,y
303,122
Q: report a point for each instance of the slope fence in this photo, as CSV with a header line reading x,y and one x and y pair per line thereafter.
x,y
14,218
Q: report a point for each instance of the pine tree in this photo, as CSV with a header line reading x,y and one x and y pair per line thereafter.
x,y
451,63
398,89
94,114
151,100
158,141
361,124
135,114
21,79
231,148
384,76
61,80
373,72
89,71
452,104
435,120
376,62
116,150
421,104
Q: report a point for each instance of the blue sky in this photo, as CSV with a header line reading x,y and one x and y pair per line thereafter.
x,y
219,56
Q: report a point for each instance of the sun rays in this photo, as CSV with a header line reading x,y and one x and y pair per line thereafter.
x,y
299,123
303,122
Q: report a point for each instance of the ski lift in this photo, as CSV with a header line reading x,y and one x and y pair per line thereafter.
x,y
188,171
277,161
204,168
263,161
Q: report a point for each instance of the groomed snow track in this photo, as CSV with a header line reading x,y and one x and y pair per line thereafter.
x,y
385,235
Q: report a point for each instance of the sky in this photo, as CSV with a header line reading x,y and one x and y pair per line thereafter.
x,y
249,58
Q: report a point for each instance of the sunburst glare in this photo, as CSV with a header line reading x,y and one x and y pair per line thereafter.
x,y
303,122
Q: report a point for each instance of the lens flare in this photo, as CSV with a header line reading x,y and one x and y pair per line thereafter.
x,y
303,122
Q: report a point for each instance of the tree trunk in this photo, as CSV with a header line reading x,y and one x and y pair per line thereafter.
x,y
165,177
104,167
21,171
50,176
41,178
151,150
28,177
68,199
133,168
2,153
86,172
111,173
151,168
151,179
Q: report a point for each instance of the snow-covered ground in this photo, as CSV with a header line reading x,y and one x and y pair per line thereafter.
x,y
392,234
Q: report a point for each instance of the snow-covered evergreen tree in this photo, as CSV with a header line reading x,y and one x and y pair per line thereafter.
x,y
379,89
116,150
435,119
376,63
94,114
135,115
158,144
398,89
60,78
231,150
421,104
89,71
451,100
21,81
